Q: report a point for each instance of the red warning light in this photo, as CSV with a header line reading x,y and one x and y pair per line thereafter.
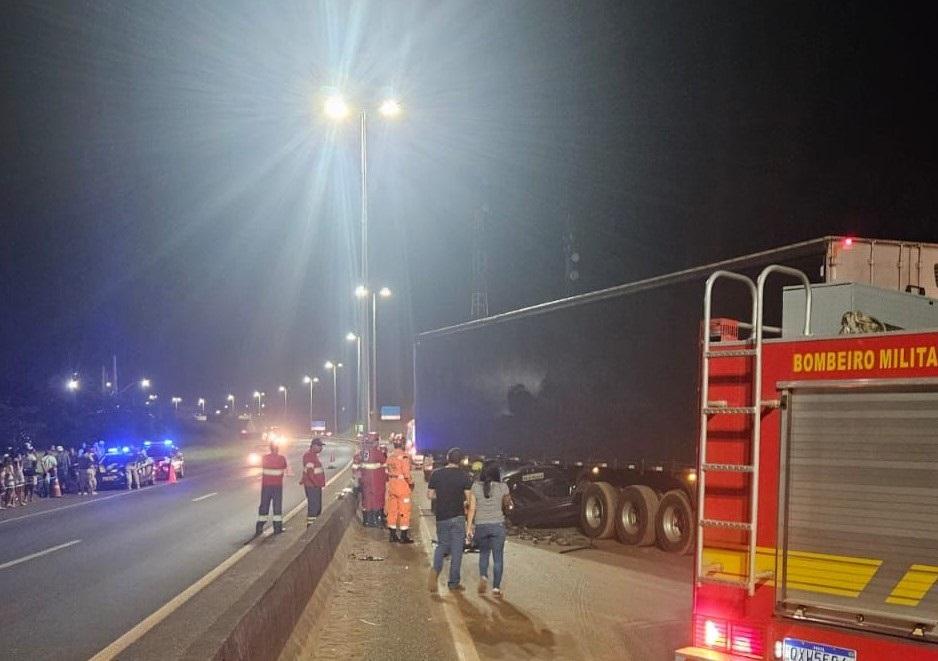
x,y
848,242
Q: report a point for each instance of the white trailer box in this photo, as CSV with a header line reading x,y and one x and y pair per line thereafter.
x,y
896,265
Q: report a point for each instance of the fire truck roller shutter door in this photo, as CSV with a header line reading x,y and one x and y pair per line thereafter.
x,y
598,510
636,514
674,523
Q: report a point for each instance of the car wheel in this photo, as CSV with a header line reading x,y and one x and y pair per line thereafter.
x,y
598,510
636,514
674,524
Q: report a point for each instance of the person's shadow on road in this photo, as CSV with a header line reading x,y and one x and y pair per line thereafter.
x,y
504,630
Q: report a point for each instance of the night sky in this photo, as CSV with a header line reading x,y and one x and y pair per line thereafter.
x,y
171,192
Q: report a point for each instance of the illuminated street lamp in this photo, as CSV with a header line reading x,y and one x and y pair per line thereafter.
x,y
231,400
311,381
337,109
371,361
257,396
201,403
144,383
72,384
175,401
283,389
334,367
362,403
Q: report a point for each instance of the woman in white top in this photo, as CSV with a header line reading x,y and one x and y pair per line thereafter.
x,y
486,523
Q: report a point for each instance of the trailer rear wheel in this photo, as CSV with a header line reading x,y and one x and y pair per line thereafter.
x,y
598,510
674,523
635,515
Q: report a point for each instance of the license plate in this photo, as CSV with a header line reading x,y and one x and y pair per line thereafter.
x,y
794,649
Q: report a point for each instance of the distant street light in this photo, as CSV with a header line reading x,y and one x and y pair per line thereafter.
x,y
72,384
202,405
283,389
231,399
362,403
371,362
144,383
334,367
175,401
257,396
311,381
337,108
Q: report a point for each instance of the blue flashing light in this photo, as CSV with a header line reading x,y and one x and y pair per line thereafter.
x,y
125,449
168,441
146,443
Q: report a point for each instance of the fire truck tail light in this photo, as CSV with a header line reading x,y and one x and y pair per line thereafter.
x,y
714,634
727,636
746,640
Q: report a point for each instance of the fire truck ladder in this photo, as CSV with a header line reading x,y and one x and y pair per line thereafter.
x,y
755,409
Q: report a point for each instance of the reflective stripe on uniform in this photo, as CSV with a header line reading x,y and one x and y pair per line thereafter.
x,y
318,469
272,471
404,528
261,518
355,467
278,517
310,465
373,465
407,500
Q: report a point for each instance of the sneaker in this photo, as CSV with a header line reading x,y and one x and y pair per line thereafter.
x,y
496,592
433,581
483,585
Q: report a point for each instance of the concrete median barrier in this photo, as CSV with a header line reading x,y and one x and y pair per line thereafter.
x,y
258,625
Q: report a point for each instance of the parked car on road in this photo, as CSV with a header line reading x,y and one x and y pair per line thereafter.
x,y
164,454
113,470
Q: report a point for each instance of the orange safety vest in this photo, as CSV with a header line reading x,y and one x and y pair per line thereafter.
x,y
273,467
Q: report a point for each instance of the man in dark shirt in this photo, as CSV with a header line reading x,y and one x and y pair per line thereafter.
x,y
450,487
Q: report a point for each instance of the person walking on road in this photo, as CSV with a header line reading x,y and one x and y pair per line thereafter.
x,y
29,472
449,487
63,465
313,481
400,485
488,501
273,467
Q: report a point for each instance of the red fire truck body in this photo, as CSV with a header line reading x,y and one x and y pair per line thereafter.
x,y
834,554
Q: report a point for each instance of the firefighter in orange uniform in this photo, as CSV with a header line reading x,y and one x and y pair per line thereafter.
x,y
400,486
273,466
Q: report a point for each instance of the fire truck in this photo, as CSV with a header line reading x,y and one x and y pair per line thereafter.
x,y
817,474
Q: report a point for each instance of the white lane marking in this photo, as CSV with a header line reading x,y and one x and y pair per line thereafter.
x,y
464,646
91,501
208,495
167,609
38,554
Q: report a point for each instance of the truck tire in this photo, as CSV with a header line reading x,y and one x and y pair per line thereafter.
x,y
675,523
598,510
636,514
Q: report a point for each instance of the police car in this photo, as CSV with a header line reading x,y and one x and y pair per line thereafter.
x,y
112,469
163,454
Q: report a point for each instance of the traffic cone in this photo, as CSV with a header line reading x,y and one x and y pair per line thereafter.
x,y
171,478
56,489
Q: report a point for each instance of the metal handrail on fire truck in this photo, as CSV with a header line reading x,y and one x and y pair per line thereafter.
x,y
754,409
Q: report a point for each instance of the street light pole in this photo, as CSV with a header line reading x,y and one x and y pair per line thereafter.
x,y
362,404
335,393
310,381
283,389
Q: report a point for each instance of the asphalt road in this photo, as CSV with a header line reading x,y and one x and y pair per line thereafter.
x,y
112,560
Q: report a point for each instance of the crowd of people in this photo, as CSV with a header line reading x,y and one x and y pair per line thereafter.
x,y
27,473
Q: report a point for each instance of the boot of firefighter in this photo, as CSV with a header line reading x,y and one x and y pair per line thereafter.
x,y
405,537
258,528
393,538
